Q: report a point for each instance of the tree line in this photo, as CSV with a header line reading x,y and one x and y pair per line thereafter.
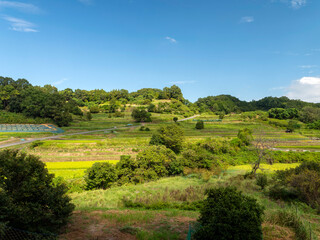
x,y
20,96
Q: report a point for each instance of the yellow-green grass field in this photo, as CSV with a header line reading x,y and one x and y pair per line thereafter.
x,y
71,170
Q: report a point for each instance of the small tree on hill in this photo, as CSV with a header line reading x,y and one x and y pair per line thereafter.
x,y
89,116
141,115
175,119
200,125
100,175
263,148
172,136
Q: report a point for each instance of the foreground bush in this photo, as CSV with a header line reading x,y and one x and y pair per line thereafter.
x,y
229,215
29,200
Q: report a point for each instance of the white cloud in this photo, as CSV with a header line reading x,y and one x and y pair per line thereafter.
x,y
24,7
247,19
20,25
60,81
182,82
306,89
308,66
298,3
171,39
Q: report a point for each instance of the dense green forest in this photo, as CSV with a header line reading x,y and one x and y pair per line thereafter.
x,y
20,96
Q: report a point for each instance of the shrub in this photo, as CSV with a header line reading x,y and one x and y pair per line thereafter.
x,y
36,144
175,119
245,136
100,175
141,115
302,182
262,180
125,169
29,199
94,109
228,214
153,163
88,116
141,128
171,136
200,125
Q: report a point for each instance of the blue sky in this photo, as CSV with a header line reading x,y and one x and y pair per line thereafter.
x,y
247,48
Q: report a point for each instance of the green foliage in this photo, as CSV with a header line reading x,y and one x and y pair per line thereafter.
x,y
314,125
126,169
262,180
310,114
199,125
89,116
32,201
153,163
36,144
94,109
245,136
292,125
171,136
100,175
141,115
281,113
302,182
228,214
175,119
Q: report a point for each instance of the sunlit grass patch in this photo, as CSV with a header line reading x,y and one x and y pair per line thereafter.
x,y
264,167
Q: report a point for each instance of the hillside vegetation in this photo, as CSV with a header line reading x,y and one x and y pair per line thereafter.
x,y
147,171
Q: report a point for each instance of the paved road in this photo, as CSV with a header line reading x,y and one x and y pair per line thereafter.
x,y
185,119
58,136
71,134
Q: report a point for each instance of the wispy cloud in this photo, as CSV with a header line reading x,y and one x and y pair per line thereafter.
x,y
247,19
87,2
308,66
306,89
295,4
60,81
24,7
172,40
182,82
20,25
298,3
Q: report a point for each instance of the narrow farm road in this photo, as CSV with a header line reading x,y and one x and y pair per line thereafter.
x,y
185,119
58,136
76,133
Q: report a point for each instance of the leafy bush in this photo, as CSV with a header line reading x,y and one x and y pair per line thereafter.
x,y
100,175
229,215
125,169
171,136
245,136
88,116
153,163
94,109
200,124
29,199
262,180
302,182
141,115
36,144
